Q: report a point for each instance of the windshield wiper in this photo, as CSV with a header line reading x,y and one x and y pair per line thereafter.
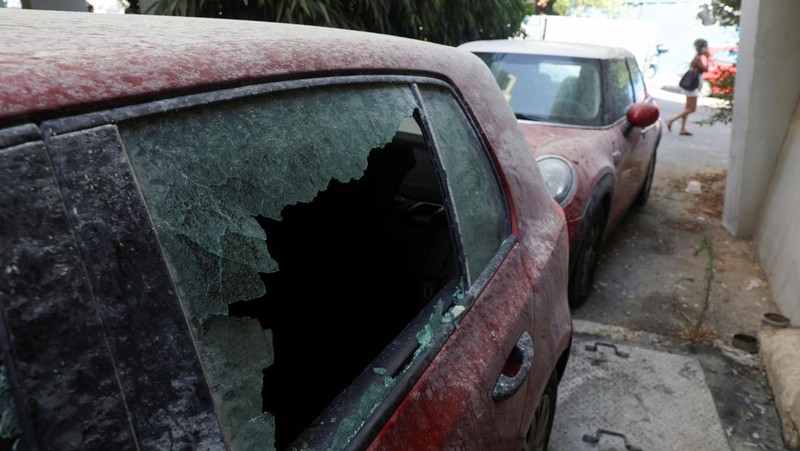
x,y
530,117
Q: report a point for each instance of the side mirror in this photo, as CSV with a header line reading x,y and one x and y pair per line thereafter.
x,y
642,114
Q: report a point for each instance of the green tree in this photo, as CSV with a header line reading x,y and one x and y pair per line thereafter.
x,y
579,7
727,12
449,23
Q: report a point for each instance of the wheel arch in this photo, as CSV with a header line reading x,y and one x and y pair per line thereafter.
x,y
601,195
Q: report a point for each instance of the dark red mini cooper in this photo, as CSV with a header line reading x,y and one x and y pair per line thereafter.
x,y
220,234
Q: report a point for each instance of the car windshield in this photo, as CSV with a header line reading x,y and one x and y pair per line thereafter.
x,y
549,88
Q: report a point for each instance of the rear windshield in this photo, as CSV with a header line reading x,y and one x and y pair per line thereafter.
x,y
549,88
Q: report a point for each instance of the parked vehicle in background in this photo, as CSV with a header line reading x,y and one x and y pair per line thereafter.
x,y
651,64
722,65
240,235
593,129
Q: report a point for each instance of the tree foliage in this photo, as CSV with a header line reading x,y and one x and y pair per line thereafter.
x,y
579,7
726,12
444,22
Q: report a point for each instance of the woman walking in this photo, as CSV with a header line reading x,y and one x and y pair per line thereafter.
x,y
699,63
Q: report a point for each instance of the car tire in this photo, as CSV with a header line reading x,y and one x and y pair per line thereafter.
x,y
644,190
587,255
538,436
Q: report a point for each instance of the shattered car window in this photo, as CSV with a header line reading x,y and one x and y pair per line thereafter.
x,y
479,201
304,229
10,431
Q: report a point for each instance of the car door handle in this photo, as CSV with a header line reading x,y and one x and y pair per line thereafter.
x,y
616,156
515,370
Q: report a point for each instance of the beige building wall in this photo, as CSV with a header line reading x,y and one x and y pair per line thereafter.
x,y
778,234
762,195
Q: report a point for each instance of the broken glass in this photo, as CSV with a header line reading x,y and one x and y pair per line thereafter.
x,y
10,432
209,174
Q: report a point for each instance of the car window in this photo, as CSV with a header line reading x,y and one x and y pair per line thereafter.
x,y
10,432
549,88
621,89
477,194
305,229
639,90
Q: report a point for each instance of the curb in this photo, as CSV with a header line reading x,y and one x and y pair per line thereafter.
x,y
780,353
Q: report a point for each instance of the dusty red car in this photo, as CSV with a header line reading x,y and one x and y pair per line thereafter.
x,y
593,128
721,66
221,234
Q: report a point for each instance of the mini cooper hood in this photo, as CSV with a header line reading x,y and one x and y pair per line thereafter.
x,y
563,140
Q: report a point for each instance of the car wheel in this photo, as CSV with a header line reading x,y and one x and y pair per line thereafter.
x,y
705,89
538,436
644,191
580,284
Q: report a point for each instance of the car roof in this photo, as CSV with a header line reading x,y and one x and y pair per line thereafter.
x,y
549,48
56,61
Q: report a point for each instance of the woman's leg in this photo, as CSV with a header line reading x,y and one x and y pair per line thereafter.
x,y
691,107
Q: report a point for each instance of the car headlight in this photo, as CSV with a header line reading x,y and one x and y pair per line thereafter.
x,y
559,176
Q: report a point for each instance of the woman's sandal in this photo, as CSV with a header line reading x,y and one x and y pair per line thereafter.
x,y
684,133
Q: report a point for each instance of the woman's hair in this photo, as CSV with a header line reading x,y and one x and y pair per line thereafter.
x,y
700,43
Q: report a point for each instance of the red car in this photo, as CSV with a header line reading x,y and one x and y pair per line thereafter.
x,y
593,128
721,65
239,235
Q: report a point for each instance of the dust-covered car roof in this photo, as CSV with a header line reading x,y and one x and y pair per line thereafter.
x,y
52,61
549,48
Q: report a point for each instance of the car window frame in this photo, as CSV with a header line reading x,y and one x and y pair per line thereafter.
x,y
613,118
416,363
94,300
633,72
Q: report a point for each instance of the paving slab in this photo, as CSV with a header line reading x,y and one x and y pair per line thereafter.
x,y
658,400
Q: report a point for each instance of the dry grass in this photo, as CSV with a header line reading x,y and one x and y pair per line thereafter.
x,y
701,334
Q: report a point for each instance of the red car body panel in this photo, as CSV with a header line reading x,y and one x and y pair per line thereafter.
x,y
591,151
92,62
442,411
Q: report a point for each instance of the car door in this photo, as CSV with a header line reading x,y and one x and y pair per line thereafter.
x,y
251,282
626,141
646,146
479,390
322,270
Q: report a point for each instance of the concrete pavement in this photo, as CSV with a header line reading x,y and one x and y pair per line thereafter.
x,y
654,400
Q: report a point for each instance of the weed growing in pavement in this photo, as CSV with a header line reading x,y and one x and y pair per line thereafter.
x,y
700,332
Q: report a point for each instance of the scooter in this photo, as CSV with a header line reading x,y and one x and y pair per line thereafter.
x,y
651,65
